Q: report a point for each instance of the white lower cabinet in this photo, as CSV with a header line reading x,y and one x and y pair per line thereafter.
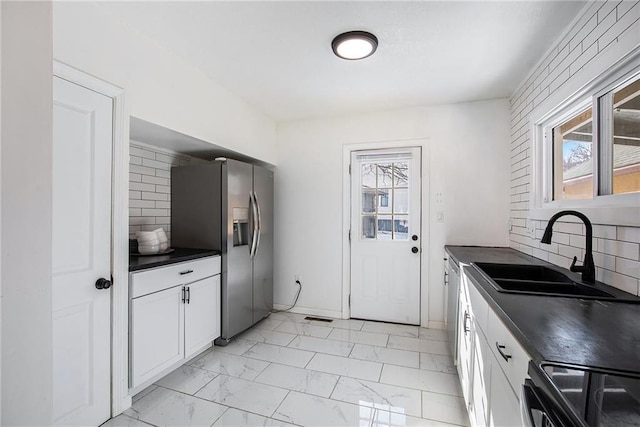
x,y
172,320
201,314
492,364
157,333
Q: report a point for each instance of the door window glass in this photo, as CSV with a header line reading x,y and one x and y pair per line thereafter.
x,y
385,200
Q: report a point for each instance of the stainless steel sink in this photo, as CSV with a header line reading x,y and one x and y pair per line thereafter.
x,y
537,279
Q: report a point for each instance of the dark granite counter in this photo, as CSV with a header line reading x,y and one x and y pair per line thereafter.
x,y
586,332
137,262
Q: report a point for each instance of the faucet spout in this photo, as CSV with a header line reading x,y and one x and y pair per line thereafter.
x,y
588,268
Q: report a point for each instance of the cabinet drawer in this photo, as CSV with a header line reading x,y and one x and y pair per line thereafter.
x,y
157,279
515,367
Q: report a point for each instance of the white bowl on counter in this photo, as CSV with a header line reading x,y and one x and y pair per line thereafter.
x,y
149,249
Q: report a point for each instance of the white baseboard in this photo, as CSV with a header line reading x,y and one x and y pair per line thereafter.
x,y
434,324
311,311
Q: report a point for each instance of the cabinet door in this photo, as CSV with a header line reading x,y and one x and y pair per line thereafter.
x,y
481,369
464,345
157,333
505,406
202,314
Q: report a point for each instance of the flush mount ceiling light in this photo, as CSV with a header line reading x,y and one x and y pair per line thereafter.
x,y
354,45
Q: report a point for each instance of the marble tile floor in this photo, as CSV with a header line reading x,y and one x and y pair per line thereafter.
x,y
287,371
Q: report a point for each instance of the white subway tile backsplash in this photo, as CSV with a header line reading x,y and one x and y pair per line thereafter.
x,y
628,267
150,185
135,160
628,234
141,152
163,189
156,164
141,220
569,227
570,252
577,241
604,231
163,173
155,180
604,261
142,170
617,280
142,204
139,186
620,249
155,212
146,195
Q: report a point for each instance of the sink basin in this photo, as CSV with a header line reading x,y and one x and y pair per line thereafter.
x,y
536,279
556,288
533,273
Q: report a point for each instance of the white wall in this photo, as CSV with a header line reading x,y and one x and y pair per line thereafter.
x,y
160,87
604,33
26,213
468,147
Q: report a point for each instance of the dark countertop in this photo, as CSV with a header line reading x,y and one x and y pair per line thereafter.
x,y
137,263
586,332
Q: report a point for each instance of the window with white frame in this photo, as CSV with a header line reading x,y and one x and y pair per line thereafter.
x,y
590,148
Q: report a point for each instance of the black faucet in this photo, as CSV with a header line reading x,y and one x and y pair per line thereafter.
x,y
588,268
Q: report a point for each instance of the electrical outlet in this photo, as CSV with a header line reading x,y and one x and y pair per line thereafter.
x,y
531,228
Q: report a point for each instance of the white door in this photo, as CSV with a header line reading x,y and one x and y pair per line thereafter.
x,y
82,146
385,235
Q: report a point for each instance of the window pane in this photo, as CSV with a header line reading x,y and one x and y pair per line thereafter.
x,y
369,227
401,228
385,172
384,227
401,174
572,158
385,204
368,200
369,175
401,200
626,139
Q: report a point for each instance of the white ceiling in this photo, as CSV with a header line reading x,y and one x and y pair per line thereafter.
x,y
278,57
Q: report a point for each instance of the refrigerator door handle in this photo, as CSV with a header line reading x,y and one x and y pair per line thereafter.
x,y
254,216
259,223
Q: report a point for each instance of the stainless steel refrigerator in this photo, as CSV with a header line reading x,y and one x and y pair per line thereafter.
x,y
228,205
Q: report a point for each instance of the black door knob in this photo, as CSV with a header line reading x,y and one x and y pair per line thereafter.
x,y
103,283
414,237
414,250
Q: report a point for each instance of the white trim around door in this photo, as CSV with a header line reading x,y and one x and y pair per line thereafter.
x,y
120,399
423,143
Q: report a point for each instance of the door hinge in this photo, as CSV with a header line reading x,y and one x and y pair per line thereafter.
x,y
349,168
349,234
349,300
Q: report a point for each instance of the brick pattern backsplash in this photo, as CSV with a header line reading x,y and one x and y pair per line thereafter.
x,y
616,248
150,187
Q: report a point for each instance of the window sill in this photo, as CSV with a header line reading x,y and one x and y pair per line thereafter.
x,y
604,215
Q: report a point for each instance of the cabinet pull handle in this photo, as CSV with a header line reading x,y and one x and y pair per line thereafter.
x,y
464,323
184,295
182,273
506,357
189,297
